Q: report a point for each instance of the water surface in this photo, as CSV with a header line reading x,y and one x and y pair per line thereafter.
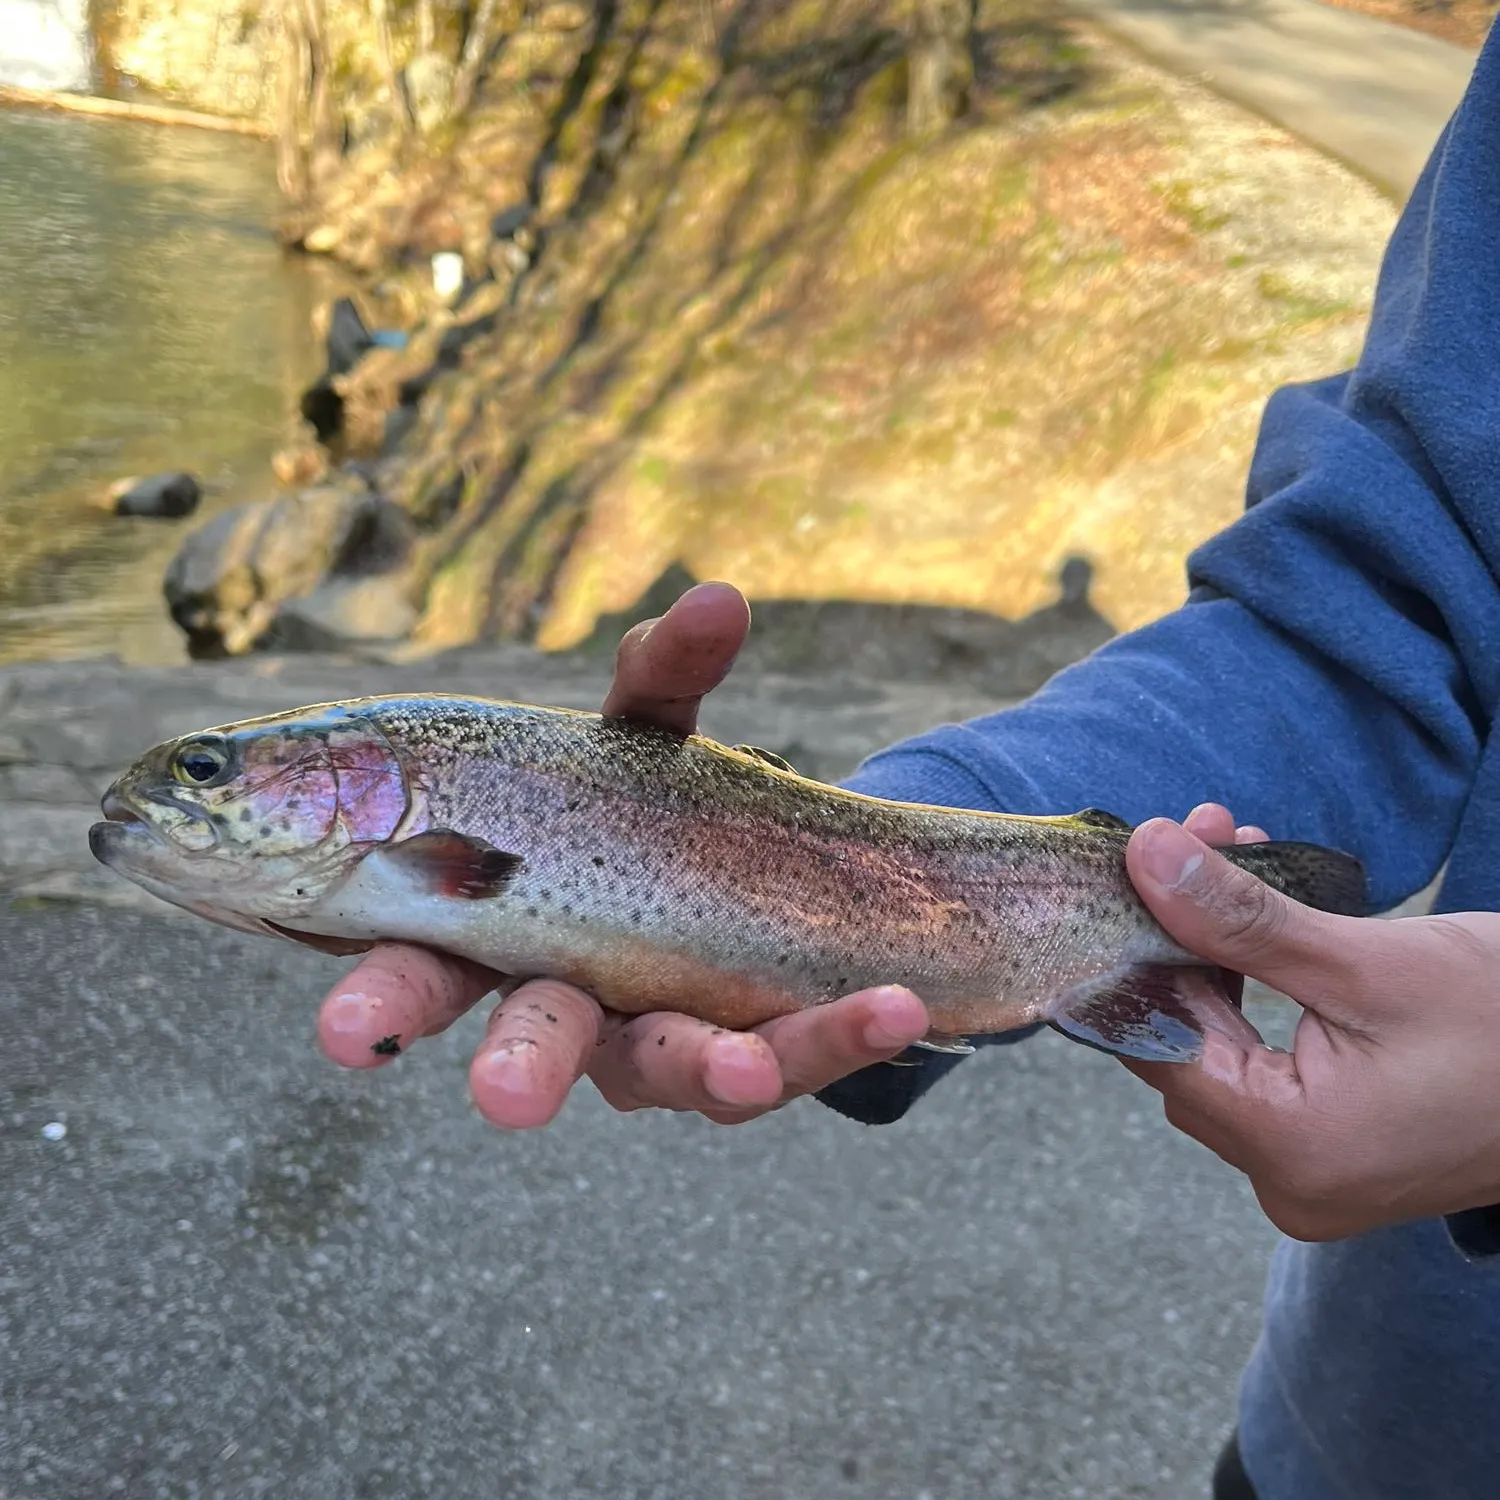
x,y
147,321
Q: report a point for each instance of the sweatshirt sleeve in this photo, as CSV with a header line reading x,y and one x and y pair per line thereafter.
x,y
1332,675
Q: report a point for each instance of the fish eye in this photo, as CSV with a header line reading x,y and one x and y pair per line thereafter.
x,y
199,763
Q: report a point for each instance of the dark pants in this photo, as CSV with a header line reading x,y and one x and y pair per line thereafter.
x,y
1230,1479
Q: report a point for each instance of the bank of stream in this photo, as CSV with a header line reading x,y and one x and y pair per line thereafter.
x,y
148,321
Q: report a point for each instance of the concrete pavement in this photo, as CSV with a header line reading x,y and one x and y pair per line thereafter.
x,y
1373,94
237,1272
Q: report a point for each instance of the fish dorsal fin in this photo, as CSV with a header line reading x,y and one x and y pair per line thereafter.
x,y
445,863
770,757
1097,818
1153,1012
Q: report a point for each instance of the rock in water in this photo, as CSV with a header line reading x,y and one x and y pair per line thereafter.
x,y
230,577
164,496
342,614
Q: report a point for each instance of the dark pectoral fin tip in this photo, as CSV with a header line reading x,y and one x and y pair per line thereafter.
x,y
456,864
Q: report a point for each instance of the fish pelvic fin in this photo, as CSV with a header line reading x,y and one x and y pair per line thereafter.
x,y
446,863
945,1041
1152,1012
1327,879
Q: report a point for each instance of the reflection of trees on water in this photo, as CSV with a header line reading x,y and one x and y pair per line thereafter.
x,y
148,320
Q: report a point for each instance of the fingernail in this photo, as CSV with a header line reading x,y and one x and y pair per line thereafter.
x,y
349,1015
890,1025
734,1066
508,1069
1170,855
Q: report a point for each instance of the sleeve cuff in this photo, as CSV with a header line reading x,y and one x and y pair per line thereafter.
x,y
1476,1232
882,1093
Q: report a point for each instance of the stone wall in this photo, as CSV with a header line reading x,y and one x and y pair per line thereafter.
x,y
45,44
215,55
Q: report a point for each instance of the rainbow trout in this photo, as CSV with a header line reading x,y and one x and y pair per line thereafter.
x,y
668,873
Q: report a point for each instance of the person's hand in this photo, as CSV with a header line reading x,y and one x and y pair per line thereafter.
x,y
545,1035
1386,1110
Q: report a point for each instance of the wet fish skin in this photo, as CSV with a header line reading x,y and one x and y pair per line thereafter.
x,y
659,872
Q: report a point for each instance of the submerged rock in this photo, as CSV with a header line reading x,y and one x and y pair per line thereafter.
x,y
231,577
163,496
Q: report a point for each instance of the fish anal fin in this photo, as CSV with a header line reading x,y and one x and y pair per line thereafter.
x,y
945,1041
446,863
1097,818
1153,1012
768,756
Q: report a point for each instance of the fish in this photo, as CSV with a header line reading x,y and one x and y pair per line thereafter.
x,y
668,872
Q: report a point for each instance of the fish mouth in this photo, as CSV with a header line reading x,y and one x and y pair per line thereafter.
x,y
125,828
117,810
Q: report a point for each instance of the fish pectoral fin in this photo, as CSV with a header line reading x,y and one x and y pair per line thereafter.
x,y
768,756
945,1041
445,863
1098,818
1153,1012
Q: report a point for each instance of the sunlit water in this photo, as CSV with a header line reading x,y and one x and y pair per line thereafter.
x,y
148,321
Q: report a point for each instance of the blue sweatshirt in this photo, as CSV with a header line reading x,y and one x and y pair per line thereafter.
x,y
1332,676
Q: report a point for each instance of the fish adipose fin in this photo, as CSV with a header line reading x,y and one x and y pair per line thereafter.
x,y
770,757
446,863
1153,1012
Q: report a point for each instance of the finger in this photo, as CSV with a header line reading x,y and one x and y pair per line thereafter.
x,y
536,1048
1211,822
1250,834
665,667
1228,915
1247,1104
667,1061
395,994
818,1047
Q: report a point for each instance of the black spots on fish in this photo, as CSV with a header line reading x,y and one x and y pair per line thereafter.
x,y
246,814
783,959
387,1046
849,1468
598,861
635,918
454,864
265,830
857,897
532,911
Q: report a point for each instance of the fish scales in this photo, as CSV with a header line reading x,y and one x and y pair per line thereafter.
x,y
814,891
666,872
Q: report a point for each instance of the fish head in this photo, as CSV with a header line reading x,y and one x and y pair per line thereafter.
x,y
253,824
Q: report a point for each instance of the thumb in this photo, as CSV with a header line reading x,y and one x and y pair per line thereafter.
x,y
1225,914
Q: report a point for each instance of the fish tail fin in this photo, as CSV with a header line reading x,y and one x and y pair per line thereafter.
x,y
1323,878
1153,1012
